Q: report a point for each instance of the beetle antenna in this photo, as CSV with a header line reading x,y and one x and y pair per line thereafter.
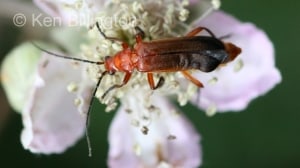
x,y
66,57
139,32
225,36
89,112
106,37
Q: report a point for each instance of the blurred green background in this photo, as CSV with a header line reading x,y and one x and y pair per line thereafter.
x,y
267,134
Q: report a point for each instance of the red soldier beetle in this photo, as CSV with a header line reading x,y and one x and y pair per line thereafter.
x,y
204,53
170,55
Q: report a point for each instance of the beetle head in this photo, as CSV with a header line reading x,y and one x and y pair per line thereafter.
x,y
109,65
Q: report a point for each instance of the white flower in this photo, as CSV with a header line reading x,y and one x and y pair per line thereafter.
x,y
147,131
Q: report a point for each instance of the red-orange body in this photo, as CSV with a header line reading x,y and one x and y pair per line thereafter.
x,y
176,54
204,53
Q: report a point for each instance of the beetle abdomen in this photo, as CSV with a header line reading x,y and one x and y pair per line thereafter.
x,y
204,60
207,60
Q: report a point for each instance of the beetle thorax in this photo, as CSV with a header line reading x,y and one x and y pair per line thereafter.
x,y
120,62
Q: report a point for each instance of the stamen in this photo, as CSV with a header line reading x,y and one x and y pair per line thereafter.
x,y
183,15
77,102
238,65
213,81
164,164
137,7
185,3
135,123
171,137
137,149
211,110
72,87
216,4
129,111
145,130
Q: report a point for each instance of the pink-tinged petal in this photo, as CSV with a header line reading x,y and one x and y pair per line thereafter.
x,y
51,120
72,12
171,139
17,73
235,89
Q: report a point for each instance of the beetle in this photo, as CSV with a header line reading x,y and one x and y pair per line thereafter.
x,y
204,53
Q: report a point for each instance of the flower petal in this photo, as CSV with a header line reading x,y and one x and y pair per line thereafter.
x,y
17,73
237,87
171,139
51,121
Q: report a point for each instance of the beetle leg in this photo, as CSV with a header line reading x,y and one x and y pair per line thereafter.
x,y
124,45
139,35
199,29
188,76
125,80
151,81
